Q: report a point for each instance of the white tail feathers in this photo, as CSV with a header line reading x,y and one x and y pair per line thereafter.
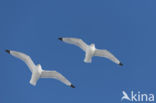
x,y
32,82
86,60
34,78
88,57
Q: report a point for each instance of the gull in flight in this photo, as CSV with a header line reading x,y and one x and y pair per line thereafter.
x,y
125,96
90,50
37,71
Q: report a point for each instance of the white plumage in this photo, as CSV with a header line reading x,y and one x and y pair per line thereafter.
x,y
37,71
90,50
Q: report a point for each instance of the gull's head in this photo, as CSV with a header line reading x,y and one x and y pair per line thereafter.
x,y
39,65
92,45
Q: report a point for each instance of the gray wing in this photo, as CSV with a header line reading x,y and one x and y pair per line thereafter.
x,y
108,55
56,75
75,41
25,58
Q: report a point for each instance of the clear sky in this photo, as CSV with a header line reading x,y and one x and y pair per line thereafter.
x,y
127,28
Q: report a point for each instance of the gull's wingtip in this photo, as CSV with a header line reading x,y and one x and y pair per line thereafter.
x,y
120,64
60,39
8,51
72,86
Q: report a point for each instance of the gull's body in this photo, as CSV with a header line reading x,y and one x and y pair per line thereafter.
x,y
90,50
37,71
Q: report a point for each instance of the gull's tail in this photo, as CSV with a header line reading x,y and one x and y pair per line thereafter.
x,y
88,58
34,78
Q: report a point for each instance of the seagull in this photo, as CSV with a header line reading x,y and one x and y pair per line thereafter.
x,y
37,71
125,96
90,50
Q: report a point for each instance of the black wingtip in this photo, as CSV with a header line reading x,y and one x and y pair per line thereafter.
x,y
72,86
60,39
8,51
120,64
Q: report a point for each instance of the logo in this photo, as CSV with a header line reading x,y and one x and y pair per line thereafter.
x,y
137,97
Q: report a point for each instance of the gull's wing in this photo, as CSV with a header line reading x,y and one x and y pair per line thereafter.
x,y
23,57
108,55
75,41
56,75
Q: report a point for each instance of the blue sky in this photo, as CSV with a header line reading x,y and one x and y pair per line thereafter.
x,y
124,27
